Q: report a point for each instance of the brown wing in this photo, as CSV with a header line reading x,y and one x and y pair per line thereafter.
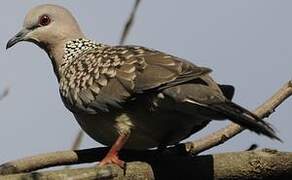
x,y
103,78
157,70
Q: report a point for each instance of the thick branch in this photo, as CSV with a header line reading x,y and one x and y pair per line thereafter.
x,y
259,164
135,170
41,161
233,129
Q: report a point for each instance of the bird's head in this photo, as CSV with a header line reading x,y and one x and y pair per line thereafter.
x,y
49,27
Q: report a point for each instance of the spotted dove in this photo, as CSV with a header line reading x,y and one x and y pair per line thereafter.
x,y
130,96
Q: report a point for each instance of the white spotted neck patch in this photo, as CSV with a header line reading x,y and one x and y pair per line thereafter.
x,y
73,48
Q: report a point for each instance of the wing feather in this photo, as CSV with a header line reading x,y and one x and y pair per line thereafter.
x,y
112,75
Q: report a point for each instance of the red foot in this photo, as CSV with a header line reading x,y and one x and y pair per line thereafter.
x,y
112,158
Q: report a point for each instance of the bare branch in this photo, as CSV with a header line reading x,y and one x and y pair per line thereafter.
x,y
259,164
135,170
70,157
233,129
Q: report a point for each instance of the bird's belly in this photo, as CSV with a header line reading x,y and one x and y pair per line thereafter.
x,y
148,131
100,129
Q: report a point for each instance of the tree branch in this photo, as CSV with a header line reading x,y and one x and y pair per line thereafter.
x,y
69,157
77,141
259,164
135,170
129,22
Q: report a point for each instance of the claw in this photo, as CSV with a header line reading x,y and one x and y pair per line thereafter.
x,y
112,158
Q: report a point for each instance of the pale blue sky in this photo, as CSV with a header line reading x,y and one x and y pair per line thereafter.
x,y
247,43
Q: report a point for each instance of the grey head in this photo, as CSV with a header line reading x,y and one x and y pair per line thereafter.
x,y
49,27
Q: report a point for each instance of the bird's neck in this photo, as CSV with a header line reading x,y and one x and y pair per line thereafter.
x,y
67,51
55,54
74,48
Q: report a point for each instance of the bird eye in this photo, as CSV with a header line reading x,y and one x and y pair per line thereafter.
x,y
44,20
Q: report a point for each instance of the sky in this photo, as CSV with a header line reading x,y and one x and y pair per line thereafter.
x,y
247,43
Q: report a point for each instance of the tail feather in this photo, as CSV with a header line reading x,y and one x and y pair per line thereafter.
x,y
245,118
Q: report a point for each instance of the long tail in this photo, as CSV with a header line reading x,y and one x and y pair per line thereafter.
x,y
245,118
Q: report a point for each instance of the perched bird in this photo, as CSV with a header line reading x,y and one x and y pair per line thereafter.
x,y
130,96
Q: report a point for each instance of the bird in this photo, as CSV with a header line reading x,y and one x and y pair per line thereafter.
x,y
130,97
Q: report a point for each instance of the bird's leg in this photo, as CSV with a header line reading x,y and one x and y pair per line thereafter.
x,y
112,156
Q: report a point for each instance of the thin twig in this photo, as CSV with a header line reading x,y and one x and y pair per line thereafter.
x,y
233,129
78,140
129,23
4,93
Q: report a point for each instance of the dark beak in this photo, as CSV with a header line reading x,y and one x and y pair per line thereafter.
x,y
17,38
